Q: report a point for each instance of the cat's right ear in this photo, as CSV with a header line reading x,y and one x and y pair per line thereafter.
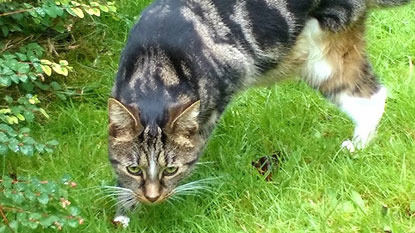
x,y
124,122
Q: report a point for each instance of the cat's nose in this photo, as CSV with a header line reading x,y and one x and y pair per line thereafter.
x,y
152,191
153,199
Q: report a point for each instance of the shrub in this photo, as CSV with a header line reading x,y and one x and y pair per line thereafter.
x,y
33,204
29,68
25,74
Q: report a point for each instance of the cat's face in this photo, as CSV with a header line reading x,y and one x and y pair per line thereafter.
x,y
150,161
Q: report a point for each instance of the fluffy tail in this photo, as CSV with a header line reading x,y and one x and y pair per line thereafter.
x,y
388,3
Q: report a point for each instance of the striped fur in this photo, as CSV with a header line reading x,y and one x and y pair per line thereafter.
x,y
185,59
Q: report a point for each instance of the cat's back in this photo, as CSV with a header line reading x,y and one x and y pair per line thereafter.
x,y
176,22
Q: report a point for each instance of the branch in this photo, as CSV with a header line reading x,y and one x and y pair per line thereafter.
x,y
15,12
5,219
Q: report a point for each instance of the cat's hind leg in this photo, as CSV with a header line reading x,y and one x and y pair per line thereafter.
x,y
337,66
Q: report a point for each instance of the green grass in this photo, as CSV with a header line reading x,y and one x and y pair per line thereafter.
x,y
318,186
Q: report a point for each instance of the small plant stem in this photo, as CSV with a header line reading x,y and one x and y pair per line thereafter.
x,y
5,218
14,209
15,12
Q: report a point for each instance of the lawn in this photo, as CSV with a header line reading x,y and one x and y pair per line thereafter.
x,y
317,188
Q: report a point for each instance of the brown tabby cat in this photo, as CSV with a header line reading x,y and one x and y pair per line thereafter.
x,y
185,59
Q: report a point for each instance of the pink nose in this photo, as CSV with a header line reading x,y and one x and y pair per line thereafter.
x,y
152,191
152,198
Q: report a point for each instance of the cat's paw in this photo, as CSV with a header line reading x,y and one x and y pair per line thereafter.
x,y
124,221
348,144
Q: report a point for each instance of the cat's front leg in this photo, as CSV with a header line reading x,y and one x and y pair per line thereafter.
x,y
121,218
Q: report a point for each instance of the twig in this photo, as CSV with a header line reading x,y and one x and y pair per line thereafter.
x,y
25,182
5,219
6,46
15,12
14,209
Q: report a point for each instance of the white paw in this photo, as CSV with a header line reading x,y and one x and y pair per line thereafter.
x,y
123,220
349,146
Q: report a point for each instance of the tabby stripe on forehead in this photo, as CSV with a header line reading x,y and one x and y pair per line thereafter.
x,y
114,162
192,162
152,171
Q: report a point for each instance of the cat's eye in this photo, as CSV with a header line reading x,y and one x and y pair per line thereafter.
x,y
135,170
169,171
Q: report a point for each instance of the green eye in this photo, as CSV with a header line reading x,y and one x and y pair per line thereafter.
x,y
134,170
169,171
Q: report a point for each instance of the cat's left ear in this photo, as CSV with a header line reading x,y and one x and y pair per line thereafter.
x,y
184,119
124,122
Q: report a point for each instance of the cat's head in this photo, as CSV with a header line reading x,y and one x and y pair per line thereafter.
x,y
150,160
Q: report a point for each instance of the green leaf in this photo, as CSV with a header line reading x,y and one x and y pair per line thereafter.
x,y
7,182
29,116
23,68
5,31
23,78
13,145
28,141
46,69
52,143
7,71
27,5
36,216
63,63
66,178
24,130
43,199
74,211
21,56
33,225
56,86
40,11
78,12
48,149
104,8
9,130
112,8
73,223
5,81
47,222
28,86
30,195
27,150
15,79
14,225
51,11
41,110
61,96
3,149
8,99
18,198
42,86
3,137
40,147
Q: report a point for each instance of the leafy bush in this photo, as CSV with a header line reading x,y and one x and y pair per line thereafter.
x,y
25,74
29,68
32,204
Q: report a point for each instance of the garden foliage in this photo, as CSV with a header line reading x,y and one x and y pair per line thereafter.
x,y
30,73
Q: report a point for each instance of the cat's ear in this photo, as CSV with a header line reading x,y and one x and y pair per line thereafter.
x,y
184,119
124,122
